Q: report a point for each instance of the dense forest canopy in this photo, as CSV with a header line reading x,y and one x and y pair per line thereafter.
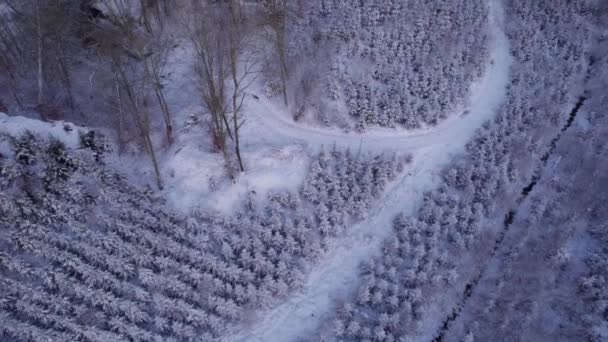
x,y
305,170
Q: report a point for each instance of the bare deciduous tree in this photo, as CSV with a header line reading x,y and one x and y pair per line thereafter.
x,y
10,55
129,51
205,30
38,40
137,96
155,64
277,12
226,67
40,56
242,69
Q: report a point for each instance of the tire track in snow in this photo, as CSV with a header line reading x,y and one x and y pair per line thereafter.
x,y
337,274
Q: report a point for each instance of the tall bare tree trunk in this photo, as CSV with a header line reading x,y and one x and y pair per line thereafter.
x,y
152,71
40,61
142,78
10,42
236,40
226,156
166,7
159,14
145,132
237,143
15,95
12,87
166,115
121,139
281,51
218,33
65,76
278,14
145,15
236,105
141,117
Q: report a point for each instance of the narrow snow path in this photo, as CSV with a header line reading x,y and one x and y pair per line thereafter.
x,y
337,275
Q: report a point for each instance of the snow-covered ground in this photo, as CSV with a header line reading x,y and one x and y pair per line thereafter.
x,y
193,173
196,178
64,131
277,152
337,275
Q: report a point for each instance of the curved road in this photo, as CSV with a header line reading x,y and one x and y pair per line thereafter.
x,y
305,310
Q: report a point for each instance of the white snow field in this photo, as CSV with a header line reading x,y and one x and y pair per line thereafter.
x,y
337,274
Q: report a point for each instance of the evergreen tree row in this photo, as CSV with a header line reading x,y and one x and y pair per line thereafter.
x,y
392,63
85,256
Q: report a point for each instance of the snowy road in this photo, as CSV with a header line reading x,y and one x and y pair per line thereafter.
x,y
269,124
337,275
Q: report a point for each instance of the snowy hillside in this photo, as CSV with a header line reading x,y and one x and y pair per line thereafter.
x,y
295,171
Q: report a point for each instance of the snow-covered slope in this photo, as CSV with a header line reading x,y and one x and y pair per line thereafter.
x,y
337,275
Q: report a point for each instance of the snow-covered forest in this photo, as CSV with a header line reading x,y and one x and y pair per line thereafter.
x,y
380,61
305,170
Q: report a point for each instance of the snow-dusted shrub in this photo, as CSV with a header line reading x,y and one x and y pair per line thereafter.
x,y
341,184
389,63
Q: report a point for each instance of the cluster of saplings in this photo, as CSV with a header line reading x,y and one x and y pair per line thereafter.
x,y
86,256
388,63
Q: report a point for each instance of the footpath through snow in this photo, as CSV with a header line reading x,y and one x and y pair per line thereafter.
x,y
337,275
